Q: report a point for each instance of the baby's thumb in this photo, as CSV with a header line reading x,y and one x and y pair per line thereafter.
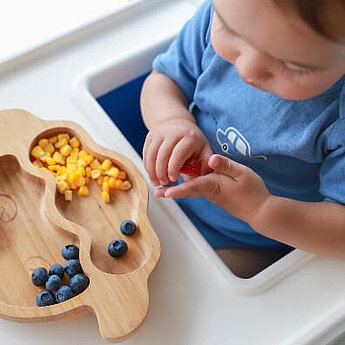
x,y
225,166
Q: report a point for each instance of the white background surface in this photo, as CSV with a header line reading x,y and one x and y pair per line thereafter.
x,y
194,299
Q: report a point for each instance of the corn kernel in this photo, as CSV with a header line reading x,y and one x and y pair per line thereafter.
x,y
74,176
84,191
50,161
88,171
74,142
65,150
105,186
38,163
80,181
43,142
37,152
63,136
61,142
62,186
62,177
106,196
73,185
95,174
106,164
113,171
71,160
118,183
68,195
122,175
53,139
87,180
49,148
45,156
82,171
71,168
89,159
100,180
81,163
53,167
62,170
126,185
95,164
58,157
111,182
82,154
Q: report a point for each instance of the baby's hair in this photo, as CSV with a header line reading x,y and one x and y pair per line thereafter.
x,y
326,17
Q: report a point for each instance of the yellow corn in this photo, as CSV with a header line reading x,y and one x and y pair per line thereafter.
x,y
81,182
82,154
74,142
95,164
126,185
106,196
106,164
84,191
37,152
74,168
58,157
81,163
113,171
49,148
105,187
68,195
61,142
122,175
95,174
53,139
118,183
62,186
89,159
43,143
112,182
50,161
65,150
38,163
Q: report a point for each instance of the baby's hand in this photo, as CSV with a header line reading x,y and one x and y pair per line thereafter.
x,y
169,145
232,186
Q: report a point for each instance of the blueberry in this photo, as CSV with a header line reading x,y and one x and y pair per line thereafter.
x,y
79,283
73,267
128,227
45,298
70,252
53,282
56,269
39,276
117,248
63,294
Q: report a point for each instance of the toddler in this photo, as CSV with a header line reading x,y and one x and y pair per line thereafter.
x,y
254,90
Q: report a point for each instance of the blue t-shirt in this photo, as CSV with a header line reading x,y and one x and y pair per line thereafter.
x,y
297,147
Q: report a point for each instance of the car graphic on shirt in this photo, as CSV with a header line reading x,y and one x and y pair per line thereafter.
x,y
233,143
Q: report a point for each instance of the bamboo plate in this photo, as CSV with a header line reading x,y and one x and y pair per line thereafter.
x,y
36,223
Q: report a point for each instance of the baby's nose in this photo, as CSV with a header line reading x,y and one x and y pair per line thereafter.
x,y
253,67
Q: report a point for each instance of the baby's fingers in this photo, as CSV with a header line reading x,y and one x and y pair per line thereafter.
x,y
202,186
150,151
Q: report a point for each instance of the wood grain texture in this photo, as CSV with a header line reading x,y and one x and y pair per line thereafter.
x,y
36,223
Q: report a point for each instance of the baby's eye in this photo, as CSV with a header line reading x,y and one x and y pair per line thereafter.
x,y
297,69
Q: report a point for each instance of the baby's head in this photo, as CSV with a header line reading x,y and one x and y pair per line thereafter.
x,y
293,48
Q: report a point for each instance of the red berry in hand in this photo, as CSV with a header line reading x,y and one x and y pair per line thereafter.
x,y
192,167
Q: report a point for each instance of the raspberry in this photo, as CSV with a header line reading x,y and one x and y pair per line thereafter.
x,y
192,167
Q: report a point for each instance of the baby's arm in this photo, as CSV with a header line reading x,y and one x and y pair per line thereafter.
x,y
173,134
